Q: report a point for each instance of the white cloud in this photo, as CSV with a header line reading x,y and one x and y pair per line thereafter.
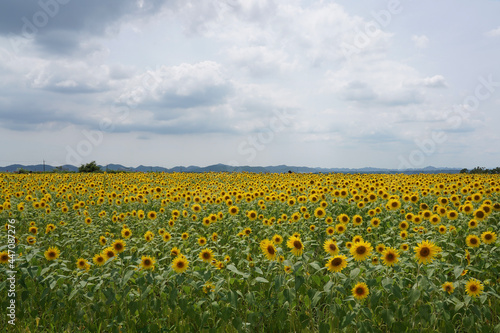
x,y
493,32
421,42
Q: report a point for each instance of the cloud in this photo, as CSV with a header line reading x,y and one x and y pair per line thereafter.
x,y
436,81
60,28
493,32
421,42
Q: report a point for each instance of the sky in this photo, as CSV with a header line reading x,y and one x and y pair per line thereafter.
x,y
349,84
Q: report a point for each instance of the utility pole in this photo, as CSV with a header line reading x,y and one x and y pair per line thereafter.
x,y
43,165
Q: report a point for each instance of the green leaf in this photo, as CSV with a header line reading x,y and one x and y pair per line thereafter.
x,y
261,279
388,316
72,294
299,281
459,305
233,269
127,277
458,271
328,287
354,273
414,296
315,265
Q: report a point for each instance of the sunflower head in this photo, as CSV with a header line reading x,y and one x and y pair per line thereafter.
x,y
147,262
474,288
360,291
337,263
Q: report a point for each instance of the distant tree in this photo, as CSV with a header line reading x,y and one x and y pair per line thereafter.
x,y
479,170
465,170
22,171
495,170
89,167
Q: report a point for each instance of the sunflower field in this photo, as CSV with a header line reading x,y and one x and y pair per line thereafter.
x,y
244,252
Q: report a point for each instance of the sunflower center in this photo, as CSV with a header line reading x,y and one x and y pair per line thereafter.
x,y
147,262
100,259
270,250
180,264
360,291
333,247
488,236
118,246
297,244
473,241
473,288
206,255
425,251
361,249
52,254
336,262
389,256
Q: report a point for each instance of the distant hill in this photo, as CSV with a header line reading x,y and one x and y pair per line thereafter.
x,y
228,168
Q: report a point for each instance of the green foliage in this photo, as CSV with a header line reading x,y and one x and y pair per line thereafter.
x,y
89,167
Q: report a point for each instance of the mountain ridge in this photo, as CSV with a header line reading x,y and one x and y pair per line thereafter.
x,y
228,168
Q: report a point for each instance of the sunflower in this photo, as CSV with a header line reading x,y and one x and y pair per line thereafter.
x,y
118,245
330,247
479,215
33,230
404,247
296,246
52,253
208,287
109,253
287,269
357,239
180,264
472,224
147,262
202,241
82,264
380,248
4,257
343,218
277,239
467,256
340,228
390,256
361,250
403,234
474,288
215,237
426,251
152,215
442,229
319,212
448,287
88,221
167,236
489,237
99,259
360,291
330,231
31,240
337,263
206,255
268,249
247,231
375,222
357,220
403,225
102,240
175,252
472,241
126,233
